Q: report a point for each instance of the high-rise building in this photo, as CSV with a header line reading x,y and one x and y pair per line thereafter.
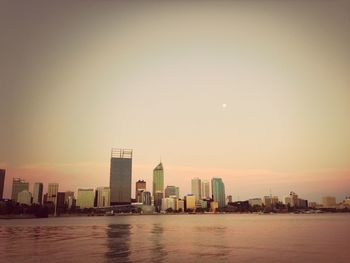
x,y
67,196
268,201
229,199
196,186
293,199
2,182
205,189
146,198
329,201
120,176
158,179
85,198
18,185
52,191
170,190
103,196
38,193
24,197
140,187
218,191
177,192
181,205
60,201
168,203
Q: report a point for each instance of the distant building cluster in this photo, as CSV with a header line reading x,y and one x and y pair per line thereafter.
x,y
205,196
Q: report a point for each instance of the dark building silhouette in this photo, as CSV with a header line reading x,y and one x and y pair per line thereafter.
x,y
120,176
2,182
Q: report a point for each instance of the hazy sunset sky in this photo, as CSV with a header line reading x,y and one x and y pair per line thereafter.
x,y
77,79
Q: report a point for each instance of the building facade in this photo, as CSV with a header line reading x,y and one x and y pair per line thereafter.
x,y
38,193
205,189
2,182
24,197
103,196
18,185
85,198
120,176
196,186
52,191
170,190
218,191
146,198
140,187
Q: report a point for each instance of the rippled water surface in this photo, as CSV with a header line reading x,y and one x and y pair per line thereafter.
x,y
178,238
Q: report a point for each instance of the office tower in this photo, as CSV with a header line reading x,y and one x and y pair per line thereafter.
x,y
205,189
120,176
38,193
218,191
196,186
302,203
158,200
146,198
52,191
158,179
229,199
190,202
103,196
18,185
329,201
85,198
24,197
170,190
267,201
140,187
177,192
2,182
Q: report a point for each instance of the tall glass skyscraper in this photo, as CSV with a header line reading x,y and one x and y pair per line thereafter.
x,y
158,185
196,186
120,176
18,185
38,193
218,191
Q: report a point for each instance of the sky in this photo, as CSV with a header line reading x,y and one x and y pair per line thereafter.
x,y
254,92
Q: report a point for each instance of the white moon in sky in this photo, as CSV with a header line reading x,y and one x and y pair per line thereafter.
x,y
224,105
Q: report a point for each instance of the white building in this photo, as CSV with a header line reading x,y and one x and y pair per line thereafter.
x,y
168,202
103,196
24,197
85,198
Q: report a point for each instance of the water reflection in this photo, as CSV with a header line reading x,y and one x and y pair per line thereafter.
x,y
158,252
118,242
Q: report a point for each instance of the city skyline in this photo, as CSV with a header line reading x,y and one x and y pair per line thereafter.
x,y
260,99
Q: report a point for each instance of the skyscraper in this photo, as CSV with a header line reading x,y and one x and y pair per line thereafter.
x,y
196,186
24,197
205,189
38,193
140,187
18,185
120,176
2,182
158,184
218,191
146,198
52,191
103,196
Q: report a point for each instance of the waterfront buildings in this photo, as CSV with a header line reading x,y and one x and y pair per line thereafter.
x,y
158,179
52,193
24,197
38,193
170,190
140,187
329,201
2,182
218,191
18,185
60,201
168,203
255,202
181,205
190,202
177,192
293,199
196,186
205,189
103,196
120,176
85,198
146,198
